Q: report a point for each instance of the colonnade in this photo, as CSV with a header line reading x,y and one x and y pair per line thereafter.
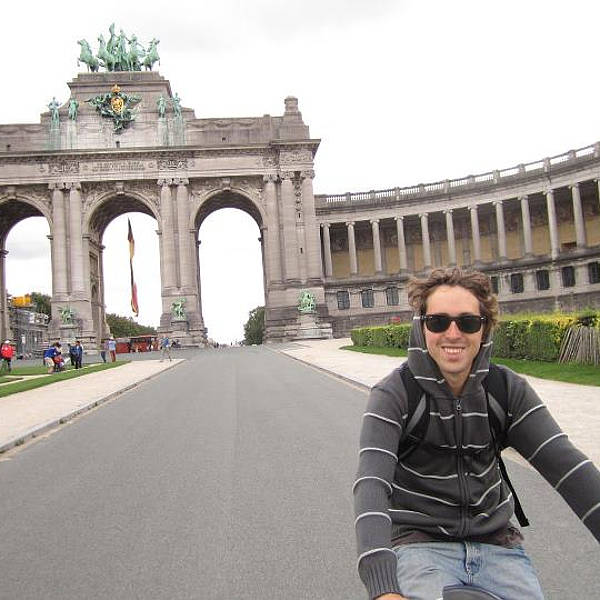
x,y
554,245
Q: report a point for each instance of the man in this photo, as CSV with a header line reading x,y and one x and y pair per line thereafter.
x,y
53,358
165,348
77,354
6,353
439,514
111,346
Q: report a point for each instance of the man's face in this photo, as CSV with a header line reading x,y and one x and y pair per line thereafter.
x,y
453,350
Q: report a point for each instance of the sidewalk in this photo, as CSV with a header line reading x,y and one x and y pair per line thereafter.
x,y
27,414
575,407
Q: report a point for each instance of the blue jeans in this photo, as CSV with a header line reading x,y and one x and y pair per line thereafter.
x,y
425,568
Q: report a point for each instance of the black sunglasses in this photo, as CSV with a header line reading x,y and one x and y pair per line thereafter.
x,y
466,323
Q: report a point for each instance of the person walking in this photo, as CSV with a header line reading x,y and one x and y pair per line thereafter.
x,y
77,354
165,348
434,510
6,353
111,346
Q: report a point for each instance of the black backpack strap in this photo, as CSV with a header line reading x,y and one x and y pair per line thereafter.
x,y
418,413
496,393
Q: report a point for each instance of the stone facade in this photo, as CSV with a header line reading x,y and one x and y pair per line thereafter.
x,y
80,175
535,229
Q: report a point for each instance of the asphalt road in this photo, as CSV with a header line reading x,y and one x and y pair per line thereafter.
x,y
226,477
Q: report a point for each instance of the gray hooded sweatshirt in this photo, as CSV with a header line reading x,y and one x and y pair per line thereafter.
x,y
450,487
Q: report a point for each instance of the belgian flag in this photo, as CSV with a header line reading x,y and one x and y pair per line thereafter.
x,y
134,300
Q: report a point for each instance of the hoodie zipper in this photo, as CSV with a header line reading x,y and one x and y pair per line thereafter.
x,y
462,483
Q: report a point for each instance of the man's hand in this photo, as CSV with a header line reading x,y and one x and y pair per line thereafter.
x,y
391,597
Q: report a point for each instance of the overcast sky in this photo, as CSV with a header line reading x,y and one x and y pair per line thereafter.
x,y
399,92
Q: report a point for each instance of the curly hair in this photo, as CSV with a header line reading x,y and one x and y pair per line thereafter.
x,y
475,282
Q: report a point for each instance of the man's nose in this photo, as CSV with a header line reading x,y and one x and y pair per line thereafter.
x,y
453,331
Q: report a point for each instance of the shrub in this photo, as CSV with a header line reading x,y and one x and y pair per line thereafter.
x,y
360,336
379,337
399,335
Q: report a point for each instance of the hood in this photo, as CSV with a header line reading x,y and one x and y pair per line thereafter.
x,y
426,371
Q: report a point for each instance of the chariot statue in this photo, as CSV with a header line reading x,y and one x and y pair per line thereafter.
x,y
177,308
66,315
306,302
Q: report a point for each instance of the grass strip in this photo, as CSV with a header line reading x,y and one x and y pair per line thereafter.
x,y
30,384
565,372
7,379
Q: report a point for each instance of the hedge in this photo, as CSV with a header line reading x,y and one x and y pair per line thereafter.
x,y
532,337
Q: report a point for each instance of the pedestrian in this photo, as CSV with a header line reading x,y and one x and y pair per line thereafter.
x,y
71,348
78,354
49,355
103,350
6,353
430,507
111,346
165,348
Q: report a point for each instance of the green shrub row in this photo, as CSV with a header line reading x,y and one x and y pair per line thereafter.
x,y
532,337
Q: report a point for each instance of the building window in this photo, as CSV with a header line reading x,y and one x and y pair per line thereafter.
x,y
391,295
568,276
542,279
516,283
343,299
495,286
594,272
367,298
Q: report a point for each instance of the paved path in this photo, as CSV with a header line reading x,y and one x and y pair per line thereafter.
x,y
30,413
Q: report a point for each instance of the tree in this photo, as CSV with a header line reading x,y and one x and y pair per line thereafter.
x,y
41,303
254,328
126,326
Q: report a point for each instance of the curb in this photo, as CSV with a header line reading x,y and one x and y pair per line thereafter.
x,y
38,430
362,386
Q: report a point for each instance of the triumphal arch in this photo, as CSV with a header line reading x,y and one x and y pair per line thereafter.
x,y
124,142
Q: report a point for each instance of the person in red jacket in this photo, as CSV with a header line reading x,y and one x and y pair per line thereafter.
x,y
7,352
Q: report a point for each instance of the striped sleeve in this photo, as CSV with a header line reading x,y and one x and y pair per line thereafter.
x,y
382,426
535,434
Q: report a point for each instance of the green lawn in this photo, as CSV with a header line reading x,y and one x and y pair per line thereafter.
x,y
5,379
569,372
30,384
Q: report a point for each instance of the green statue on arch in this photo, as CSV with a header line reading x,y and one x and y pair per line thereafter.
x,y
119,53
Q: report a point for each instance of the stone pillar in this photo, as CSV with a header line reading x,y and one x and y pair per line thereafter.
x,y
327,248
60,285
552,225
312,250
290,239
273,255
4,316
475,234
376,246
401,244
76,254
186,271
578,216
425,241
169,260
501,230
352,249
526,226
450,238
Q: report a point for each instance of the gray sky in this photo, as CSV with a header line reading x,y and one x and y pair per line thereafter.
x,y
400,92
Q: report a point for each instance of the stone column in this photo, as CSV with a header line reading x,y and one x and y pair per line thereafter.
x,y
186,272
290,239
501,230
475,234
76,255
273,256
312,248
552,225
4,316
352,249
526,226
376,246
425,241
450,238
60,284
169,260
327,248
401,244
578,216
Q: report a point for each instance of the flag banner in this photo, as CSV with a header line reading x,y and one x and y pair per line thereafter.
x,y
134,299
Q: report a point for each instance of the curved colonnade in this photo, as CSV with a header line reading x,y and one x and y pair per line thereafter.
x,y
534,228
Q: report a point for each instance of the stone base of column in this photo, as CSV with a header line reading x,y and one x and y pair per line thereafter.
x,y
189,331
